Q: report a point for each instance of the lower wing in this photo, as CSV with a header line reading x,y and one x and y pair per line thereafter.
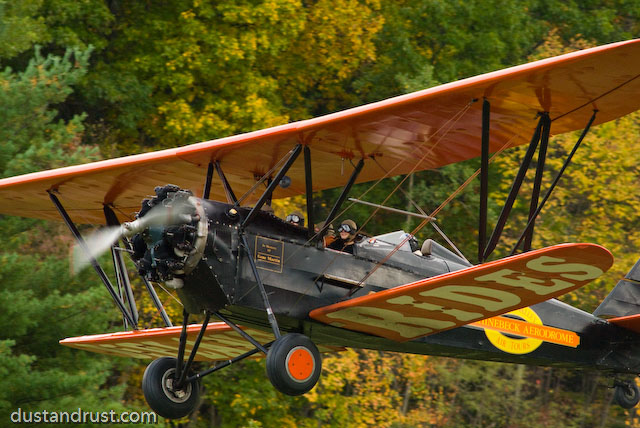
x,y
219,343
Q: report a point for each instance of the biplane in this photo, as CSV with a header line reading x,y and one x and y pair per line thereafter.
x,y
274,289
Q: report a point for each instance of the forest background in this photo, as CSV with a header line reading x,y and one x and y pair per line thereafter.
x,y
89,79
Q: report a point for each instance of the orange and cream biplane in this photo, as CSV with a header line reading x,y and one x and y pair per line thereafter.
x,y
275,288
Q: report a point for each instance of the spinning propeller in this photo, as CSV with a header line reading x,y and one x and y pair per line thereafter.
x,y
103,239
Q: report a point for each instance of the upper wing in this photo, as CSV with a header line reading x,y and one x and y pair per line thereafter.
x,y
451,300
421,130
219,342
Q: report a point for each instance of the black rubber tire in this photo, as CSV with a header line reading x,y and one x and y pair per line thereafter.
x,y
627,395
278,359
168,404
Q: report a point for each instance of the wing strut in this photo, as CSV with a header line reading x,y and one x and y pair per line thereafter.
x,y
112,220
535,194
555,181
309,190
345,192
515,188
484,180
122,278
207,184
231,197
103,276
276,181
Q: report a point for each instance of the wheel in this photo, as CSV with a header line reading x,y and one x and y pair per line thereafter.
x,y
627,395
158,390
293,364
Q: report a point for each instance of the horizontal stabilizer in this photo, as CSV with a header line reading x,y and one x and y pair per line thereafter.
x,y
458,298
631,322
220,342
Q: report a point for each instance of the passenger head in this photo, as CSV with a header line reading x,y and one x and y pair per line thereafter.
x,y
295,218
347,230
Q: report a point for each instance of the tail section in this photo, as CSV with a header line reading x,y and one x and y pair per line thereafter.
x,y
624,299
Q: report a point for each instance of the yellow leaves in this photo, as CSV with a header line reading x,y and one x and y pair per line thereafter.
x,y
262,116
183,121
230,67
187,14
232,49
337,39
337,30
377,384
285,206
185,57
554,46
265,27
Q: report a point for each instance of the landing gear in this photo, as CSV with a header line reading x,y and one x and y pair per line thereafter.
x,y
293,364
627,394
158,386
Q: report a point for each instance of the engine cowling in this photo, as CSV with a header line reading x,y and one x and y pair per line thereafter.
x,y
170,242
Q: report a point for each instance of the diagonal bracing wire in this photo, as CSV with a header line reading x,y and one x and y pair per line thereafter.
x,y
433,214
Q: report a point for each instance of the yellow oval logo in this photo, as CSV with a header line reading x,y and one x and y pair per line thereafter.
x,y
508,343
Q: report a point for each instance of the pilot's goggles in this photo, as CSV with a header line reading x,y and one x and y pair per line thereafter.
x,y
345,228
293,218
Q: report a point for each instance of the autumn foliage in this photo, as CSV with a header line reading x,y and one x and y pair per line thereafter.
x,y
85,79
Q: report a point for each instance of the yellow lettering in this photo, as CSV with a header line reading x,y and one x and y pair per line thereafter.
x,y
487,298
385,319
532,284
456,313
585,272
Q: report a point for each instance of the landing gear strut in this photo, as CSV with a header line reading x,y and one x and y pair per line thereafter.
x,y
626,394
159,385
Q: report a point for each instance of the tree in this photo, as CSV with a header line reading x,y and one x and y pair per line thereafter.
x,y
41,301
189,71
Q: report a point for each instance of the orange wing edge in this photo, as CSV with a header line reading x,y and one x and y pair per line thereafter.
x,y
220,342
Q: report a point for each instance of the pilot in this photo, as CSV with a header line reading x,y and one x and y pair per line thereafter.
x,y
328,235
295,218
347,237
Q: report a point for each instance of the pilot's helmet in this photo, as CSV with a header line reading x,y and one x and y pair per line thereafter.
x,y
350,227
295,218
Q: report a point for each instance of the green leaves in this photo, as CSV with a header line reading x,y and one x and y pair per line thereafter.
x,y
20,26
33,139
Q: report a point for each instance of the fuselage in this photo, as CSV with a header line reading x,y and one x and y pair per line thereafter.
x,y
300,275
